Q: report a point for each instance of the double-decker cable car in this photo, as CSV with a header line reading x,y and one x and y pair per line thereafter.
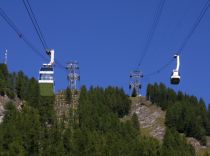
x,y
46,76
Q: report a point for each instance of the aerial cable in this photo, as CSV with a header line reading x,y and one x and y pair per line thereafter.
x,y
152,32
184,43
160,69
60,65
41,34
27,42
195,25
38,30
10,23
35,24
19,33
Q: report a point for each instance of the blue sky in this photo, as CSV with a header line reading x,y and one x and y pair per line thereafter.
x,y
107,38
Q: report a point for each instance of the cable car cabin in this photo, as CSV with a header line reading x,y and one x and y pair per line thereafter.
x,y
175,77
46,80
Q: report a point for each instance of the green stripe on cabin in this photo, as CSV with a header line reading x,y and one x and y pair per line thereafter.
x,y
46,89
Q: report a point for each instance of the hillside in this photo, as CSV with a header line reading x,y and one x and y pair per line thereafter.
x,y
152,122
94,121
93,128
151,117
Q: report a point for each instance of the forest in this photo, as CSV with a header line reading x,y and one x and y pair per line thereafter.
x,y
97,127
184,113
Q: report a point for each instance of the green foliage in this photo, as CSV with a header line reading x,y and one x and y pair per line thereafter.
x,y
161,95
68,95
135,122
20,131
95,128
206,154
3,79
18,84
208,121
117,100
52,141
32,94
46,109
16,149
134,93
100,131
184,113
187,118
176,145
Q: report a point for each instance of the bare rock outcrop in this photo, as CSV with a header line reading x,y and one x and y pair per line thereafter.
x,y
3,101
150,116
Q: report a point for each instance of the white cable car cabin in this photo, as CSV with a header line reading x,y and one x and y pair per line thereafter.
x,y
175,77
46,77
46,74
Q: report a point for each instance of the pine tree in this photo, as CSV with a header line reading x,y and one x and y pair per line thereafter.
x,y
3,79
68,95
134,93
176,145
135,122
21,85
32,94
208,119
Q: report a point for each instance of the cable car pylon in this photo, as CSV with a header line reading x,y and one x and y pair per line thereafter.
x,y
135,84
73,75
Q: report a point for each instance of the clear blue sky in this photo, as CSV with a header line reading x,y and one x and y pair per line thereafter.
x,y
107,38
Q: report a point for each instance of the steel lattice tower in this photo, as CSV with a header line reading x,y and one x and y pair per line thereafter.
x,y
135,81
5,57
73,74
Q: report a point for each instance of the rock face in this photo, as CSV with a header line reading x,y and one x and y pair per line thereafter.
x,y
195,143
3,101
152,122
62,106
150,116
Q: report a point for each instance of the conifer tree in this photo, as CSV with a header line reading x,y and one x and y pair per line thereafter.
x,y
176,145
68,95
134,93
